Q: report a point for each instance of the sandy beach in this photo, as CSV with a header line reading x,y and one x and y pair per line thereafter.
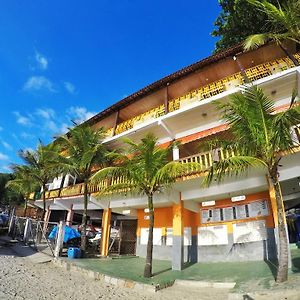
x,y
20,278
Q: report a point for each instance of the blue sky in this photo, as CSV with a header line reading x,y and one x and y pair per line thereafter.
x,y
67,60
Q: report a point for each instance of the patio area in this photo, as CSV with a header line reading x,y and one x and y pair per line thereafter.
x,y
246,274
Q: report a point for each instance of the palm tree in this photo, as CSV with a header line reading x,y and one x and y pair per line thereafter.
x,y
39,167
144,169
283,22
22,184
82,151
260,136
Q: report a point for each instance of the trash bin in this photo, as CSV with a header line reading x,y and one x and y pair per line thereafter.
x,y
74,253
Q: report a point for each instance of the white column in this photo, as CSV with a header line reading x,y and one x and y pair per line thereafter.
x,y
175,153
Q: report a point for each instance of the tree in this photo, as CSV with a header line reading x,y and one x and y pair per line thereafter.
x,y
283,24
81,151
8,196
259,138
237,20
40,167
21,184
144,169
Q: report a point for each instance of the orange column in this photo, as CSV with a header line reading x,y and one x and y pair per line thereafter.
x,y
178,228
105,231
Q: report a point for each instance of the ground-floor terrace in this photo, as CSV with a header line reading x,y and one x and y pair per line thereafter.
x,y
233,221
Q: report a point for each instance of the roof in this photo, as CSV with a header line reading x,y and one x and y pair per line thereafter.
x,y
164,81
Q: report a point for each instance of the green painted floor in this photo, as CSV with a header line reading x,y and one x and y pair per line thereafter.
x,y
240,272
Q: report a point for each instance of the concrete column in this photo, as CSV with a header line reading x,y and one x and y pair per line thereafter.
x,y
70,215
106,217
175,153
178,228
60,239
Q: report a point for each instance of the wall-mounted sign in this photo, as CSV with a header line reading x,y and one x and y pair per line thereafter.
x,y
238,212
227,213
238,198
212,235
249,232
208,203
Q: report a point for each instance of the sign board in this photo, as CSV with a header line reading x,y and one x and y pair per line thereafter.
x,y
249,232
212,235
156,236
258,208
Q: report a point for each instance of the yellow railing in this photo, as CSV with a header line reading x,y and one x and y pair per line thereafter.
x,y
209,90
76,189
149,115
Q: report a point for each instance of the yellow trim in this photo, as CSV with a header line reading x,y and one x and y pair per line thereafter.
x,y
105,231
229,227
178,219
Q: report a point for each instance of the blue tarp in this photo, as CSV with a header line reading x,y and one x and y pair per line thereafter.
x,y
70,233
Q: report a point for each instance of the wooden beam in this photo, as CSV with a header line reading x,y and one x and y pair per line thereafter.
x,y
167,98
116,122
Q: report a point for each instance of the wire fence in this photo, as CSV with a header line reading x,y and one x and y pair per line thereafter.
x,y
33,233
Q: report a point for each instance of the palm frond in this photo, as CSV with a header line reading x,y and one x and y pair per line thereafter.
x,y
231,166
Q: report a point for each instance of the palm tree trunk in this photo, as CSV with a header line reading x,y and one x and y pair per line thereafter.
x,y
282,272
84,217
44,201
148,266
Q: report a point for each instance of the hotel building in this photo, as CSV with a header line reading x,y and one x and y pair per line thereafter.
x,y
235,220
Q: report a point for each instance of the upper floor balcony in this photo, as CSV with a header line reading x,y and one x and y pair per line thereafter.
x,y
204,160
205,92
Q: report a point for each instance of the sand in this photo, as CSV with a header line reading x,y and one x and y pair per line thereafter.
x,y
21,278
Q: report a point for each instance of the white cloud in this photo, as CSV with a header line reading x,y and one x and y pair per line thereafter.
x,y
25,121
6,169
36,83
41,60
79,114
7,145
70,87
26,135
46,113
3,156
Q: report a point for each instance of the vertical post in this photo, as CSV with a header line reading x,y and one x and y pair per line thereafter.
x,y
46,218
175,153
27,230
166,102
11,226
70,215
177,249
105,231
244,74
116,122
60,239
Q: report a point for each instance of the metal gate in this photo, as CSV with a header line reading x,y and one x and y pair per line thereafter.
x,y
128,237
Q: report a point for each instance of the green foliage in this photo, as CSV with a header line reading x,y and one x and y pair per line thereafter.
x,y
238,20
144,168
82,149
8,196
259,135
283,23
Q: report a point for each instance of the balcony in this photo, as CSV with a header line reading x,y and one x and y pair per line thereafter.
x,y
207,91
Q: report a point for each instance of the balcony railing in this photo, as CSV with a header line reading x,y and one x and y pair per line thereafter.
x,y
209,90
